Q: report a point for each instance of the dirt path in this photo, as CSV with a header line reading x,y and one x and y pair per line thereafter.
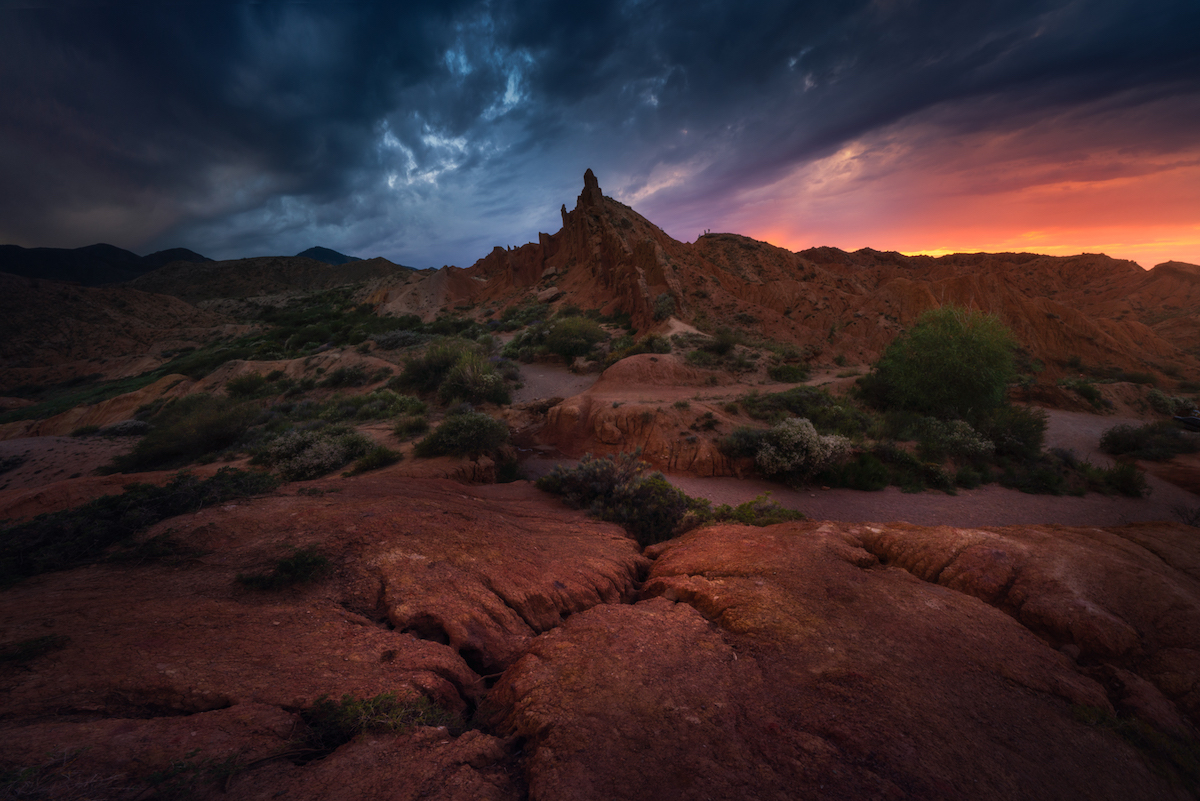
x,y
988,505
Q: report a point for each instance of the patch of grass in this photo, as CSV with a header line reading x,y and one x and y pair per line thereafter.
x,y
760,511
60,398
471,434
80,536
331,724
302,566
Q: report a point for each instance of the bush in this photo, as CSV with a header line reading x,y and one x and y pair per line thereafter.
x,y
304,565
85,431
1157,442
426,372
186,430
866,473
394,340
374,459
722,342
794,446
1167,404
651,344
408,426
664,306
78,536
1126,479
620,490
378,405
250,385
826,412
742,443
788,373
953,363
954,438
346,377
469,434
1017,431
475,380
1084,389
760,511
302,455
570,337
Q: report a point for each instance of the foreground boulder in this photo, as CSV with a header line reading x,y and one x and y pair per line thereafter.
x,y
791,662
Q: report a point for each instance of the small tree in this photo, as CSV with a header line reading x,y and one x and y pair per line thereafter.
x,y
954,363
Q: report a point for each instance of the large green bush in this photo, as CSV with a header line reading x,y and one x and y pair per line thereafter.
x,y
471,434
302,455
574,336
953,363
475,380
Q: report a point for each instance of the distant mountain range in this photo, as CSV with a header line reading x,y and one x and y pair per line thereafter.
x,y
328,256
96,265
93,265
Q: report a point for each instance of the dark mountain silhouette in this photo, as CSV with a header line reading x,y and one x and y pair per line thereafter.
x,y
93,265
328,256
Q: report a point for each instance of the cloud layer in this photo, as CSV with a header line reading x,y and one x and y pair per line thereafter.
x,y
430,133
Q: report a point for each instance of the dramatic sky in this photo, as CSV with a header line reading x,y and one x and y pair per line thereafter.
x,y
429,132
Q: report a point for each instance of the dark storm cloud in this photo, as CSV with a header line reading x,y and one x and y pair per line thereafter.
x,y
428,132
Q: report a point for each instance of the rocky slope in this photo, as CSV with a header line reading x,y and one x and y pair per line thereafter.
x,y
823,660
55,332
1101,311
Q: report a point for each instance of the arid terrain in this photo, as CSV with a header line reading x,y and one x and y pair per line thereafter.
x,y
385,615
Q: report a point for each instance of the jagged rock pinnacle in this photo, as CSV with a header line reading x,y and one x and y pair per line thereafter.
x,y
591,190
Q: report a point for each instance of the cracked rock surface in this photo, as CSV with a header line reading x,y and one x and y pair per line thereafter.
x,y
821,660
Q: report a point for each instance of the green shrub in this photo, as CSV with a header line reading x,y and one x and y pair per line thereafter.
x,y
1167,404
1017,431
186,430
346,377
793,446
760,511
374,459
866,473
826,412
475,380
570,337
701,358
250,385
1125,478
664,306
788,373
954,438
426,372
301,567
332,724
302,455
1154,441
722,342
968,478
377,405
651,344
409,426
1084,389
79,536
742,443
953,363
85,431
620,490
470,434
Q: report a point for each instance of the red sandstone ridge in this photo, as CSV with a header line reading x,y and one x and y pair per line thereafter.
x,y
799,660
1104,311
